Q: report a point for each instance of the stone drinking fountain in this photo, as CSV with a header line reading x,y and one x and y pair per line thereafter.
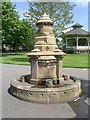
x,y
46,84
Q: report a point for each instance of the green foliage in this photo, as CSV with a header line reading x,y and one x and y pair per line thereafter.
x,y
15,33
81,93
71,42
10,19
59,12
83,42
27,35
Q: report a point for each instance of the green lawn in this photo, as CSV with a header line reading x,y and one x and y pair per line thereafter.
x,y
19,59
70,60
77,60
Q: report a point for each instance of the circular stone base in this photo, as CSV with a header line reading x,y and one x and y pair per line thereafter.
x,y
30,93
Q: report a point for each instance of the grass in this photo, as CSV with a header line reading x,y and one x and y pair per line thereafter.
x,y
77,60
70,60
19,59
82,93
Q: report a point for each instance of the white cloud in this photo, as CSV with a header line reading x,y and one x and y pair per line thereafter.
x,y
18,0
23,0
82,3
77,1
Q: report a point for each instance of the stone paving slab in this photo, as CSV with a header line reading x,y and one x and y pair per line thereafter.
x,y
15,108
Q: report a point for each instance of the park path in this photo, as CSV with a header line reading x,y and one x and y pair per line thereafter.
x,y
15,108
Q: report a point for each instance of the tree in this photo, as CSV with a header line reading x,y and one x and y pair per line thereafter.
x,y
15,32
27,35
10,19
59,12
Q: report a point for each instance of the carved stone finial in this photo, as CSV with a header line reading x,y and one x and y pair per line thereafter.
x,y
45,19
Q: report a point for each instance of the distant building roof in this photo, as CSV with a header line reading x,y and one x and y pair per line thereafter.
x,y
77,25
77,30
67,30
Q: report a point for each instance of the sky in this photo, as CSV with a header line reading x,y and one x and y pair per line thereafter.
x,y
80,11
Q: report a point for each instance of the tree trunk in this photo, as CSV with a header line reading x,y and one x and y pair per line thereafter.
x,y
15,47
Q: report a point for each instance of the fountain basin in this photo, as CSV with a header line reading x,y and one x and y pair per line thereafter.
x,y
28,92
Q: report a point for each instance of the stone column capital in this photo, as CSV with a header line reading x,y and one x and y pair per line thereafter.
x,y
59,57
34,58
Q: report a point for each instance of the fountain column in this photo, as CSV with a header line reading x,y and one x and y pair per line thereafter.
x,y
34,70
59,69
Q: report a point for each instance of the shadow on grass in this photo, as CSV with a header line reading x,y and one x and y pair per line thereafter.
x,y
11,53
20,59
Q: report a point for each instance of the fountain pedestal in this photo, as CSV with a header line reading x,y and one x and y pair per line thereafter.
x,y
48,64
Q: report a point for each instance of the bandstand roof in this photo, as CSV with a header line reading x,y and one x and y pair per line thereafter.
x,y
77,30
